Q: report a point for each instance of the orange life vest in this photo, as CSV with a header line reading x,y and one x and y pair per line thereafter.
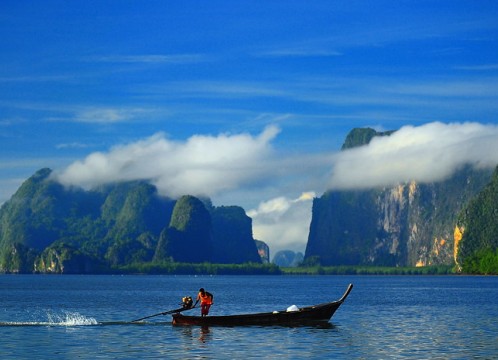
x,y
206,299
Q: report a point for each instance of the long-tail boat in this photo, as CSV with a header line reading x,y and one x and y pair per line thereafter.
x,y
300,316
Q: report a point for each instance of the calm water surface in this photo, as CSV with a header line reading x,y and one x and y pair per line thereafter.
x,y
385,317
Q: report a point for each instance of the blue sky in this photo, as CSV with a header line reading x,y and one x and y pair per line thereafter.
x,y
247,102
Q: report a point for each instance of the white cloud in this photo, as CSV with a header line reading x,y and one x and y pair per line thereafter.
x,y
102,115
201,165
300,51
73,145
427,153
484,67
217,89
99,114
152,58
283,223
482,87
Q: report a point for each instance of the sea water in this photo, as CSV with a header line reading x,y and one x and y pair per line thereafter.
x,y
384,317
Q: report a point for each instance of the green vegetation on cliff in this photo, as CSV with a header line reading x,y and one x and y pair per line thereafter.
x,y
189,235
478,249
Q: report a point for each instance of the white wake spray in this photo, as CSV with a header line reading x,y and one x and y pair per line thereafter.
x,y
64,318
67,318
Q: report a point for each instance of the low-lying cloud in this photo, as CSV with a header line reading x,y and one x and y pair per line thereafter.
x,y
202,165
426,153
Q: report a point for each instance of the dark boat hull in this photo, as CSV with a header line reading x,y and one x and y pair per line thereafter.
x,y
305,315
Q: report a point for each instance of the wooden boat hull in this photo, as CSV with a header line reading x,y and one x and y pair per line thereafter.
x,y
303,316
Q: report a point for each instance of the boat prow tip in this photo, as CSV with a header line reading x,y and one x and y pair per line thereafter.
x,y
348,290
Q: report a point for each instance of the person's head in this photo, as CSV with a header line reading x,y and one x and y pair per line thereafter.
x,y
201,290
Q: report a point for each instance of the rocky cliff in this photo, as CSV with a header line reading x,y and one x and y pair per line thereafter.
x,y
263,251
409,224
232,236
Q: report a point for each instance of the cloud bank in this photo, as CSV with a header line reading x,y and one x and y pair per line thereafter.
x,y
427,153
202,165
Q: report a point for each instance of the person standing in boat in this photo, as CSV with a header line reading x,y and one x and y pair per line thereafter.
x,y
206,299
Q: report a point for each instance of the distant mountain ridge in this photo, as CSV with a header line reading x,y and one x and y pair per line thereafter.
x,y
288,258
45,227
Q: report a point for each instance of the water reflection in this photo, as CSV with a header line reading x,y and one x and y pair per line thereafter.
x,y
204,334
201,333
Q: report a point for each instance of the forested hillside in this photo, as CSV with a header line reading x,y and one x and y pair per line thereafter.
x,y
45,227
478,227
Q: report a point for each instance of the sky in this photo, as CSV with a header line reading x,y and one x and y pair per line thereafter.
x,y
247,102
